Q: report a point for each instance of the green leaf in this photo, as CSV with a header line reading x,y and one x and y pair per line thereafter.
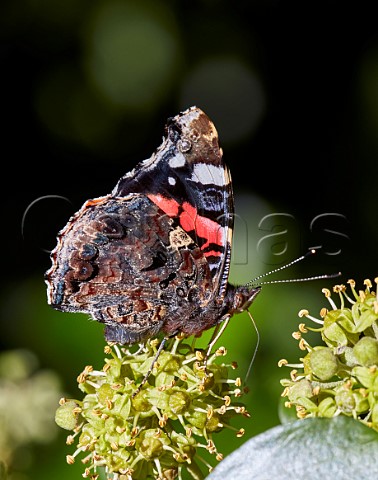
x,y
338,448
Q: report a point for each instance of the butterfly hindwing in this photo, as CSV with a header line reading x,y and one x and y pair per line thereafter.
x,y
130,278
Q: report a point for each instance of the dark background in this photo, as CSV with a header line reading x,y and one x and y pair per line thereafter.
x,y
86,89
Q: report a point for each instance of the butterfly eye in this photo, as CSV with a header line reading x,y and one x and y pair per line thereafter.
x,y
239,300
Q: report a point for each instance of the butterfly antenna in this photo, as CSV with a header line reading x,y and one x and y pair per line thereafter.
x,y
311,251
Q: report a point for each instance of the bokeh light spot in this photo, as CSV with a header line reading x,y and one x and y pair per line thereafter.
x,y
132,53
70,110
230,92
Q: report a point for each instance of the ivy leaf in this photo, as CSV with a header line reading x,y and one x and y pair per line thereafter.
x,y
340,447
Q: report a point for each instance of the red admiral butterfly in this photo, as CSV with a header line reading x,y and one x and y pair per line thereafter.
x,y
154,255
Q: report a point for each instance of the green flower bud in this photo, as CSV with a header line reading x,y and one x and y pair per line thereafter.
x,y
323,363
140,402
150,444
348,357
301,389
105,393
179,402
66,417
345,400
366,351
213,424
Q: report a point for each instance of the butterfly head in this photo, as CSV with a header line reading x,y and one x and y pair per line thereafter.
x,y
242,297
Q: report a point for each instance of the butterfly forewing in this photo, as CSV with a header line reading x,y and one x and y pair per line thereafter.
x,y
187,178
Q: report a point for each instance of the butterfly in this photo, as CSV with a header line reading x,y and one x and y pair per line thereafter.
x,y
153,256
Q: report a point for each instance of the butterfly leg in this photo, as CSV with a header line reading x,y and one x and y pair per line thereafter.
x,y
145,378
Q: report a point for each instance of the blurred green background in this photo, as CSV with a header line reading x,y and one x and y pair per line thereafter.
x,y
86,89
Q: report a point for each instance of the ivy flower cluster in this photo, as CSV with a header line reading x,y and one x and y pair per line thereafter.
x,y
159,430
341,375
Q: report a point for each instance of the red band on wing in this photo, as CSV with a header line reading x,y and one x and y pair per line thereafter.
x,y
168,205
191,221
204,227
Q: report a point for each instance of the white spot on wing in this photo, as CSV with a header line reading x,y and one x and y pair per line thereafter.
x,y
177,161
208,174
171,181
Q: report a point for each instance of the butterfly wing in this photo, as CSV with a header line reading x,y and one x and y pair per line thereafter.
x,y
153,255
187,178
125,276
